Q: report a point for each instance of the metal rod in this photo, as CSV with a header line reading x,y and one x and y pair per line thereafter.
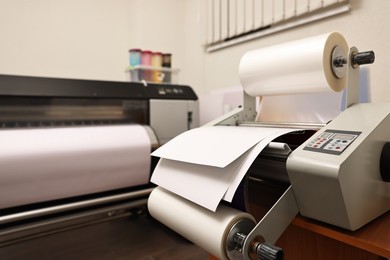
x,y
71,206
306,126
49,226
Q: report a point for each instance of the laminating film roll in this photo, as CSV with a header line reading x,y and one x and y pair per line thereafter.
x,y
301,66
203,227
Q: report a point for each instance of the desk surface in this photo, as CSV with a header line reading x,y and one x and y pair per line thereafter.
x,y
307,239
305,236
373,237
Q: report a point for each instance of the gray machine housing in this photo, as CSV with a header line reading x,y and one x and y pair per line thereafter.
x,y
170,118
344,187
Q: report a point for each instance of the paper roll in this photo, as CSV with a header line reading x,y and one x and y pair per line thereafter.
x,y
301,66
47,164
205,228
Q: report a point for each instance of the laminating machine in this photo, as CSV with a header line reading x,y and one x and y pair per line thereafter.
x,y
337,173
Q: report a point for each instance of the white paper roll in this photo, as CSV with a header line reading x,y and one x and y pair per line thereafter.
x,y
301,66
46,164
203,227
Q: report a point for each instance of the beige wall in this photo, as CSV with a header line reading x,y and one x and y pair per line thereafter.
x,y
75,39
158,25
86,39
90,39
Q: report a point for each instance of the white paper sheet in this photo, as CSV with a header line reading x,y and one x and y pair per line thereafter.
x,y
206,184
45,164
215,146
249,159
202,184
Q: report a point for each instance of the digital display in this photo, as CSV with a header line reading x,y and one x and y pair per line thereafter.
x,y
326,135
344,137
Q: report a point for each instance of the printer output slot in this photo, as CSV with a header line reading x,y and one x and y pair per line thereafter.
x,y
21,112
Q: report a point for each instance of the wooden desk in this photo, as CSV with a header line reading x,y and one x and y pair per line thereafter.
x,y
310,239
307,239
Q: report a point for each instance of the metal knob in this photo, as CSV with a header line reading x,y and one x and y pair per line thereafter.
x,y
385,162
361,58
266,251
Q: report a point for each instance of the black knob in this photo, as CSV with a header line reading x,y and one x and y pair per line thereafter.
x,y
361,58
385,162
266,251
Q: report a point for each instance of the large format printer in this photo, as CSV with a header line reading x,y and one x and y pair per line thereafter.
x,y
234,185
78,151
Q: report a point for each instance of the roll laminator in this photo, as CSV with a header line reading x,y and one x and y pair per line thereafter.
x,y
336,173
38,103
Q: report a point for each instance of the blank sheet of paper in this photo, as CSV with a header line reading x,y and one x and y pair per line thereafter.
x,y
215,146
202,184
249,159
206,184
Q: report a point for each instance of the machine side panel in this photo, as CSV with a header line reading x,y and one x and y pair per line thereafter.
x,y
316,189
172,117
365,193
337,188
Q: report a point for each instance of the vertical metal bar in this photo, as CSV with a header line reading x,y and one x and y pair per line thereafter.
x,y
228,18
253,14
262,13
295,7
244,17
352,80
275,222
212,21
220,19
236,18
273,12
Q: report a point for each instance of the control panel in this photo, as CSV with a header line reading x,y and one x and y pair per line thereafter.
x,y
170,91
332,141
